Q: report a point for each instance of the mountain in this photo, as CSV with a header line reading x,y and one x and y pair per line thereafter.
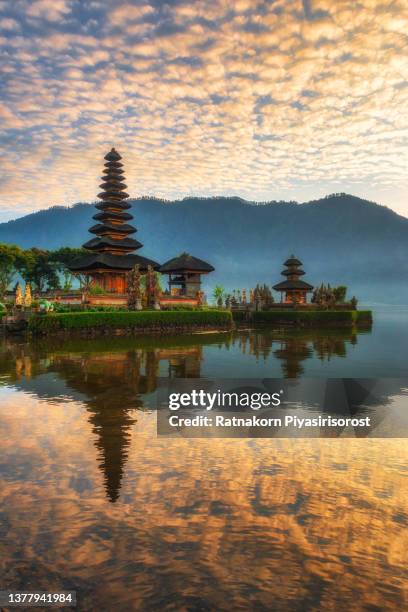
x,y
341,239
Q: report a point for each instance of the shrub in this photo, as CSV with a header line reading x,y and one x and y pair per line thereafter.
x,y
152,319
238,315
63,307
96,290
363,316
179,307
58,307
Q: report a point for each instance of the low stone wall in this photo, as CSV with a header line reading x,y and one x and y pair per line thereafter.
x,y
119,299
107,299
170,301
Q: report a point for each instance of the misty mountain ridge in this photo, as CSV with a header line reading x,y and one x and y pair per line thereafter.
x,y
341,239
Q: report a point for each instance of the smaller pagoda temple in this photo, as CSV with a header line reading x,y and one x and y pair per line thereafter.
x,y
293,290
185,275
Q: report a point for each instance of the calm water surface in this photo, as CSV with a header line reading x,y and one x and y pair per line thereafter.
x,y
92,500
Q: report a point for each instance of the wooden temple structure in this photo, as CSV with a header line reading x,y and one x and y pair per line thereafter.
x,y
293,290
184,274
111,250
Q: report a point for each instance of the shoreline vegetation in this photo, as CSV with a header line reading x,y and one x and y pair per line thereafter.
x,y
305,318
179,321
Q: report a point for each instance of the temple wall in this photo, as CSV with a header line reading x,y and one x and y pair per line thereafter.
x,y
178,301
116,299
107,299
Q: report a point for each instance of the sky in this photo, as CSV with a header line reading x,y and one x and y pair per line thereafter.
x,y
268,100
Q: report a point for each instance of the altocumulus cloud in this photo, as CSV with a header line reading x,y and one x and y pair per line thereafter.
x,y
260,99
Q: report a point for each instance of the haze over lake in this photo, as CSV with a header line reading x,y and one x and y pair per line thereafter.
x,y
340,239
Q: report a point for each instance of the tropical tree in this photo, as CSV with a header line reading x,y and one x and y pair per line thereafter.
x,y
218,295
38,269
340,293
11,257
62,259
85,281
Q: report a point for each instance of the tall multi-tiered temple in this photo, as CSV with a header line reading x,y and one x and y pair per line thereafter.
x,y
293,290
111,251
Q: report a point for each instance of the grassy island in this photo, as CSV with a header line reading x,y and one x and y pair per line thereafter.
x,y
179,321
129,322
303,318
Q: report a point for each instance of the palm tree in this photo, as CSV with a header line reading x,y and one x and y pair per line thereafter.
x,y
218,295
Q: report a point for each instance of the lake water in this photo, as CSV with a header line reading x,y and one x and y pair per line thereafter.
x,y
92,500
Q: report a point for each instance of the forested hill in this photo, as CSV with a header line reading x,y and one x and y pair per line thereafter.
x,y
340,239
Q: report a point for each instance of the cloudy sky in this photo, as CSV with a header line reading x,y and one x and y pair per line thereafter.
x,y
284,99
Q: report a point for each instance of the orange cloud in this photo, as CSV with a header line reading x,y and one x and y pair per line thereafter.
x,y
217,97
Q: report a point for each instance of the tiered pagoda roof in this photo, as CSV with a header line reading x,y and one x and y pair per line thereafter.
x,y
112,232
292,273
186,263
107,262
112,246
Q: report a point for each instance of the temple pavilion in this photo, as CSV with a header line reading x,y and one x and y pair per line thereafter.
x,y
293,290
111,251
184,274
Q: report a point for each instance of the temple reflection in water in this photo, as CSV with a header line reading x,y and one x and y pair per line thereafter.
x,y
114,379
94,500
114,384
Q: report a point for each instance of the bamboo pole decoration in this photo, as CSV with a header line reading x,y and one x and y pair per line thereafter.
x,y
19,295
27,296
